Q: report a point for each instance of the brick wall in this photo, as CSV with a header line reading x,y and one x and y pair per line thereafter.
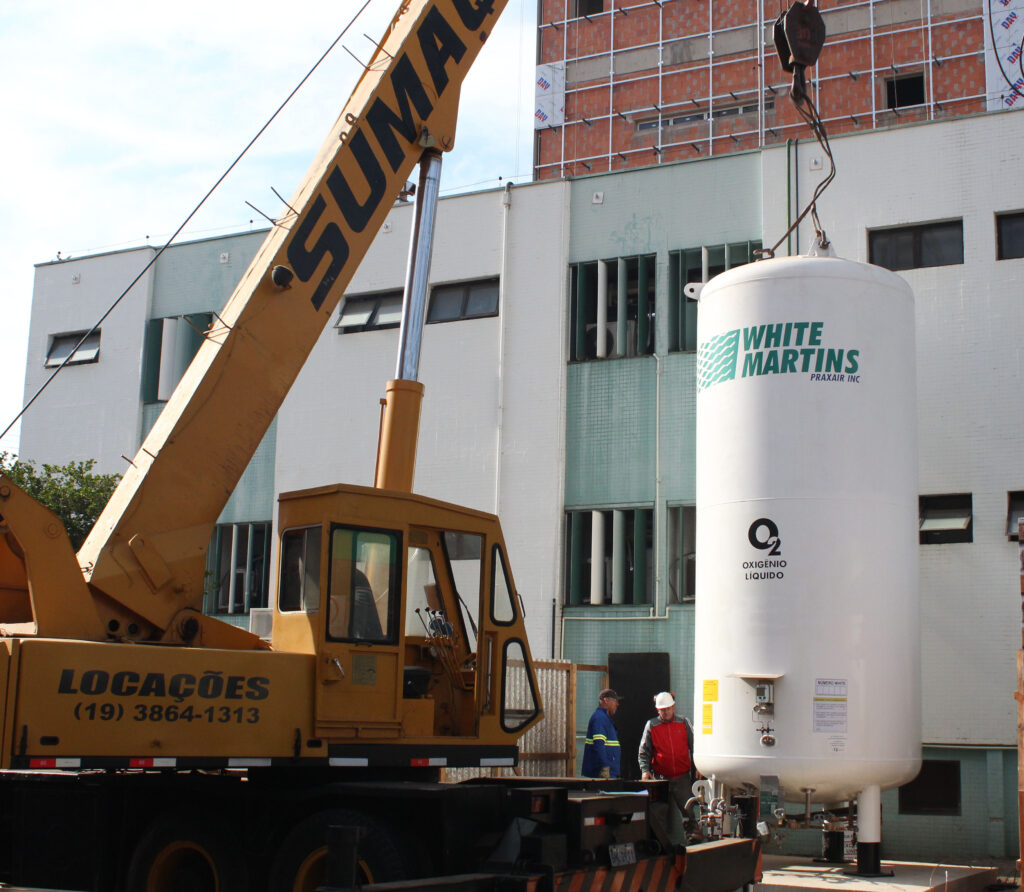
x,y
635,63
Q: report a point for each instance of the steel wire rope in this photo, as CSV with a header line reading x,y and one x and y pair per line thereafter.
x,y
809,112
185,222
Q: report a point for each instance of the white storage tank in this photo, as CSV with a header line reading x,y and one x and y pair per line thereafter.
x,y
807,661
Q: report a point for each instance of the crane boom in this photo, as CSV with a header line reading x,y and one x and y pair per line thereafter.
x,y
147,550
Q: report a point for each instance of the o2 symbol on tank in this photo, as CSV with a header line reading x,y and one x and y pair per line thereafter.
x,y
764,535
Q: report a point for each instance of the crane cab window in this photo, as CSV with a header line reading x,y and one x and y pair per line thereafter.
x,y
300,570
503,609
518,689
465,553
422,596
364,585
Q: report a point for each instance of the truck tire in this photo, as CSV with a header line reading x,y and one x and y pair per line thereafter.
x,y
183,853
300,865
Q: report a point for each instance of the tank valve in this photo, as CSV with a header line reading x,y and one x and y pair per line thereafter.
x,y
767,740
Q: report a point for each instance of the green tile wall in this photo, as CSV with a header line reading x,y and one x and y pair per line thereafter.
x,y
610,427
662,209
253,498
986,827
678,433
190,278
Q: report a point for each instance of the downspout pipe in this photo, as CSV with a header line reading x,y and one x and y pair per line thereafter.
x,y
789,197
506,208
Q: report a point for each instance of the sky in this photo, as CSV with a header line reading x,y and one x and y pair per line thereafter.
x,y
119,117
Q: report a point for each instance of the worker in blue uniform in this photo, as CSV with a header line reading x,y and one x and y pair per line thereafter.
x,y
601,754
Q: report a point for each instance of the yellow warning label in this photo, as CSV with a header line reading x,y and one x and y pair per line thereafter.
x,y
707,721
711,690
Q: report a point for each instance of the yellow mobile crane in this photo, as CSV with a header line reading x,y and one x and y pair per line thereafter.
x,y
398,641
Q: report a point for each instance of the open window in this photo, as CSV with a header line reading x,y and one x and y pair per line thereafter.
x,y
503,608
368,312
518,688
300,570
904,90
77,347
238,567
1014,514
465,558
422,598
698,265
609,556
682,553
612,308
171,344
945,519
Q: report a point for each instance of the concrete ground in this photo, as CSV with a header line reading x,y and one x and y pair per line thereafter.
x,y
784,873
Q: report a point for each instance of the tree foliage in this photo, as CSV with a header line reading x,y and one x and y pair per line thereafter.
x,y
72,491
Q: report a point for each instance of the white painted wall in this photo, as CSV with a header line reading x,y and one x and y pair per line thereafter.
x,y
492,423
91,410
970,328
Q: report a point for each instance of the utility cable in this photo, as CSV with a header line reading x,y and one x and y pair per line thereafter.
x,y
186,221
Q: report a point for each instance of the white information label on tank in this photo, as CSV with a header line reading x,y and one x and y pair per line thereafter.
x,y
830,707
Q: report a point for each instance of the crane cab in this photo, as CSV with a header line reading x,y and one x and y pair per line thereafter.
x,y
409,608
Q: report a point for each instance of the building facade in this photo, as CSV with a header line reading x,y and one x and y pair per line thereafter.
x,y
559,359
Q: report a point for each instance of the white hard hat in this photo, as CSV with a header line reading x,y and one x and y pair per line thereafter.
x,y
664,700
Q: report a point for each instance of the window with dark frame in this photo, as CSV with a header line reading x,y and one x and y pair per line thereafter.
x,y
238,566
904,90
687,267
81,347
163,367
370,312
935,791
631,565
1010,236
579,8
913,247
1014,514
682,553
477,299
682,118
945,519
364,585
629,309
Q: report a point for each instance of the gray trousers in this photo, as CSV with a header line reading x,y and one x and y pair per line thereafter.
x,y
660,813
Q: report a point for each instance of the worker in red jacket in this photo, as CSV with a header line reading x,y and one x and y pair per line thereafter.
x,y
665,754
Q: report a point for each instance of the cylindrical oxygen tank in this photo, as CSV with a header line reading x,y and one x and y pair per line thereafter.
x,y
807,662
